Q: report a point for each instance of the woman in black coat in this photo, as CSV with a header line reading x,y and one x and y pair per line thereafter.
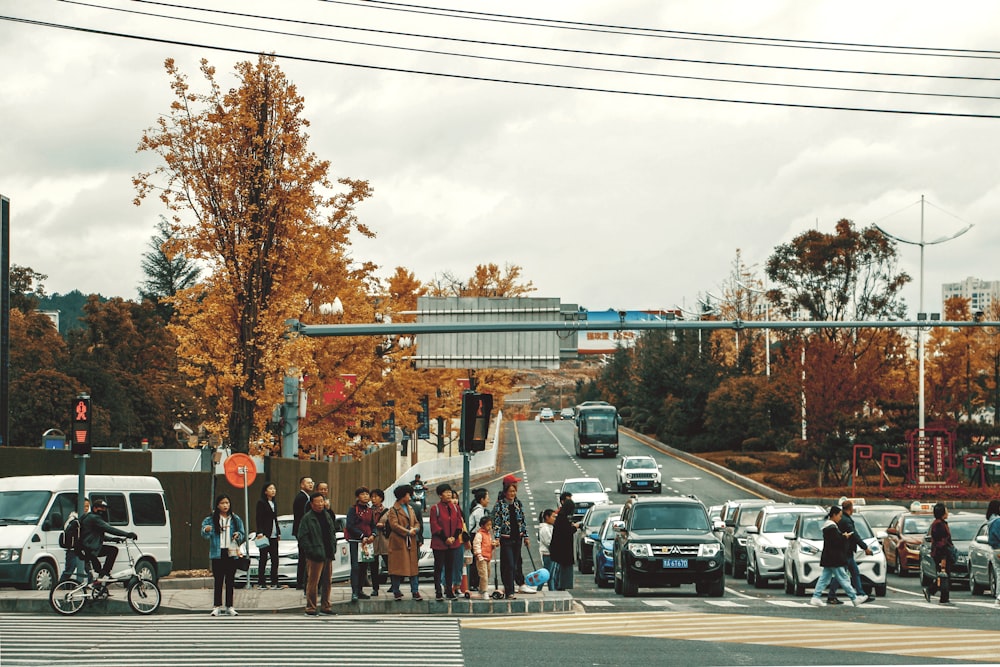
x,y
267,526
561,547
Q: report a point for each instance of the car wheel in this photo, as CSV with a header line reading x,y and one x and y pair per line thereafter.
x,y
751,576
994,585
901,569
617,579
628,586
659,490
799,588
738,570
586,567
43,576
718,587
880,590
789,589
974,586
727,567
620,488
759,581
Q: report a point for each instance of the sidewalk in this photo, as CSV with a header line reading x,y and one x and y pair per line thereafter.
x,y
194,596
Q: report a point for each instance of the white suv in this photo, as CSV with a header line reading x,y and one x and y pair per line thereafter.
x,y
767,541
587,492
639,473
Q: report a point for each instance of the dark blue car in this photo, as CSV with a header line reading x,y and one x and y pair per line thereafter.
x,y
604,553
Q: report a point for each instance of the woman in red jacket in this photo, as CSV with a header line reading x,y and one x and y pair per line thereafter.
x,y
446,534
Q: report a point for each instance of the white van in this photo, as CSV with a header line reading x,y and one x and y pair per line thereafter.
x,y
32,511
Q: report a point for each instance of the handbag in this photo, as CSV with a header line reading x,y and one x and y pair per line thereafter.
x,y
243,563
262,542
367,553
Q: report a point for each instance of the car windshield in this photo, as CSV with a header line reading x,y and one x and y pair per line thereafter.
x,y
24,507
748,516
640,463
598,514
600,423
812,527
669,517
608,532
916,524
862,528
964,531
779,523
586,486
880,518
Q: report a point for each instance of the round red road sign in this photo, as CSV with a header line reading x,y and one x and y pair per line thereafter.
x,y
235,466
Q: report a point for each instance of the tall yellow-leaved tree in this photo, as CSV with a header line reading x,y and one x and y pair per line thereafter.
x,y
257,209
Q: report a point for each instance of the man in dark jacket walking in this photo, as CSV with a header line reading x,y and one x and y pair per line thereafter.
x,y
93,527
299,507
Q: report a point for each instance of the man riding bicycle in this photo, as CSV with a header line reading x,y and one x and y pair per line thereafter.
x,y
93,527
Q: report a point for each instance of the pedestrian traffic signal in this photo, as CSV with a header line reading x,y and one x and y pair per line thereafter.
x,y
80,432
476,409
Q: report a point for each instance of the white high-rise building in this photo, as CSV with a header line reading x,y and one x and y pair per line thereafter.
x,y
982,294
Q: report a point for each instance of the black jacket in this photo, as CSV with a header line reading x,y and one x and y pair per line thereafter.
x,y
834,546
854,542
92,530
299,506
267,519
561,548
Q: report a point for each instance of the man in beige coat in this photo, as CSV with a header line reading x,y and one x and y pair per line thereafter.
x,y
405,526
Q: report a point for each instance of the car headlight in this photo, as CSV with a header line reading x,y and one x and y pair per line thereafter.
x,y
962,559
809,549
640,549
708,550
742,541
10,555
587,540
876,549
773,551
609,553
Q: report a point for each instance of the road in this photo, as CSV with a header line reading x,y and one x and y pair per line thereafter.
x,y
747,626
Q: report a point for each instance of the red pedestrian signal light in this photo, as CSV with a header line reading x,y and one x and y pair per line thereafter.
x,y
476,409
80,431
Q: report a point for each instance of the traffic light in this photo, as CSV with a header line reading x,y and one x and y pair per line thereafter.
x,y
80,433
476,409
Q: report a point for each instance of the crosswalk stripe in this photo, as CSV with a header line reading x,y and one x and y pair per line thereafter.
x,y
47,641
725,603
804,633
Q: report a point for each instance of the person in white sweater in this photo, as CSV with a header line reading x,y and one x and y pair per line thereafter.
x,y
547,518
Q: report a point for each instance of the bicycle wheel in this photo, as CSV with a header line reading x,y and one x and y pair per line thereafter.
x,y
144,597
67,598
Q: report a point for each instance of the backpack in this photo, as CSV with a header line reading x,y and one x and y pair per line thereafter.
x,y
71,537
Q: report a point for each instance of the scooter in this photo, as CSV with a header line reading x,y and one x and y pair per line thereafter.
x,y
420,496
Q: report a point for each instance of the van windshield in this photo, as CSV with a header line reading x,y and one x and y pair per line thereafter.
x,y
22,507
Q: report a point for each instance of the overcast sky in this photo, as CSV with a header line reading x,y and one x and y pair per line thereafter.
x,y
605,199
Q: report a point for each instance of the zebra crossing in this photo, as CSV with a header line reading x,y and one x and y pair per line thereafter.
x,y
250,640
753,603
778,631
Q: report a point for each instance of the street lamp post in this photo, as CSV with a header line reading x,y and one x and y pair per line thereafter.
x,y
921,314
767,330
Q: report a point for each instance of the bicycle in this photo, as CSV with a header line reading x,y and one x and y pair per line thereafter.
x,y
143,595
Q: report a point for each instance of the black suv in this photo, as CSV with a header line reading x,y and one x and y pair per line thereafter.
x,y
739,515
666,542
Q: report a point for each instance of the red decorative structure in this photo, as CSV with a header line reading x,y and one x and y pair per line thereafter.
x,y
889,460
860,452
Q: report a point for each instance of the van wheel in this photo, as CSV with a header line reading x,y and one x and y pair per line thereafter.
x,y
145,569
43,576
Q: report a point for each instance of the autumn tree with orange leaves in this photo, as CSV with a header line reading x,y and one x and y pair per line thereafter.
x,y
257,209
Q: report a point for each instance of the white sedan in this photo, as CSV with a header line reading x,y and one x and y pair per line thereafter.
x,y
805,546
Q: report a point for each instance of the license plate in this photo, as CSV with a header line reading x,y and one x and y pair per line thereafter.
x,y
642,483
599,450
252,571
675,563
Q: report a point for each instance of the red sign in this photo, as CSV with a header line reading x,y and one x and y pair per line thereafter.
x,y
240,468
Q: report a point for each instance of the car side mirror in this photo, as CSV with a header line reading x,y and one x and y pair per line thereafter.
x,y
789,536
594,536
618,525
891,531
753,530
983,539
718,524
659,465
880,535
607,489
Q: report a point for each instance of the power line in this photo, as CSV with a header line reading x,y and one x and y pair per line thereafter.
x,y
549,48
465,77
851,47
499,59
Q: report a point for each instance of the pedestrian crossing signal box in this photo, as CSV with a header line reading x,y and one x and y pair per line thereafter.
x,y
80,432
476,409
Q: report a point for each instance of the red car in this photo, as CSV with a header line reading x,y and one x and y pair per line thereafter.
x,y
902,541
